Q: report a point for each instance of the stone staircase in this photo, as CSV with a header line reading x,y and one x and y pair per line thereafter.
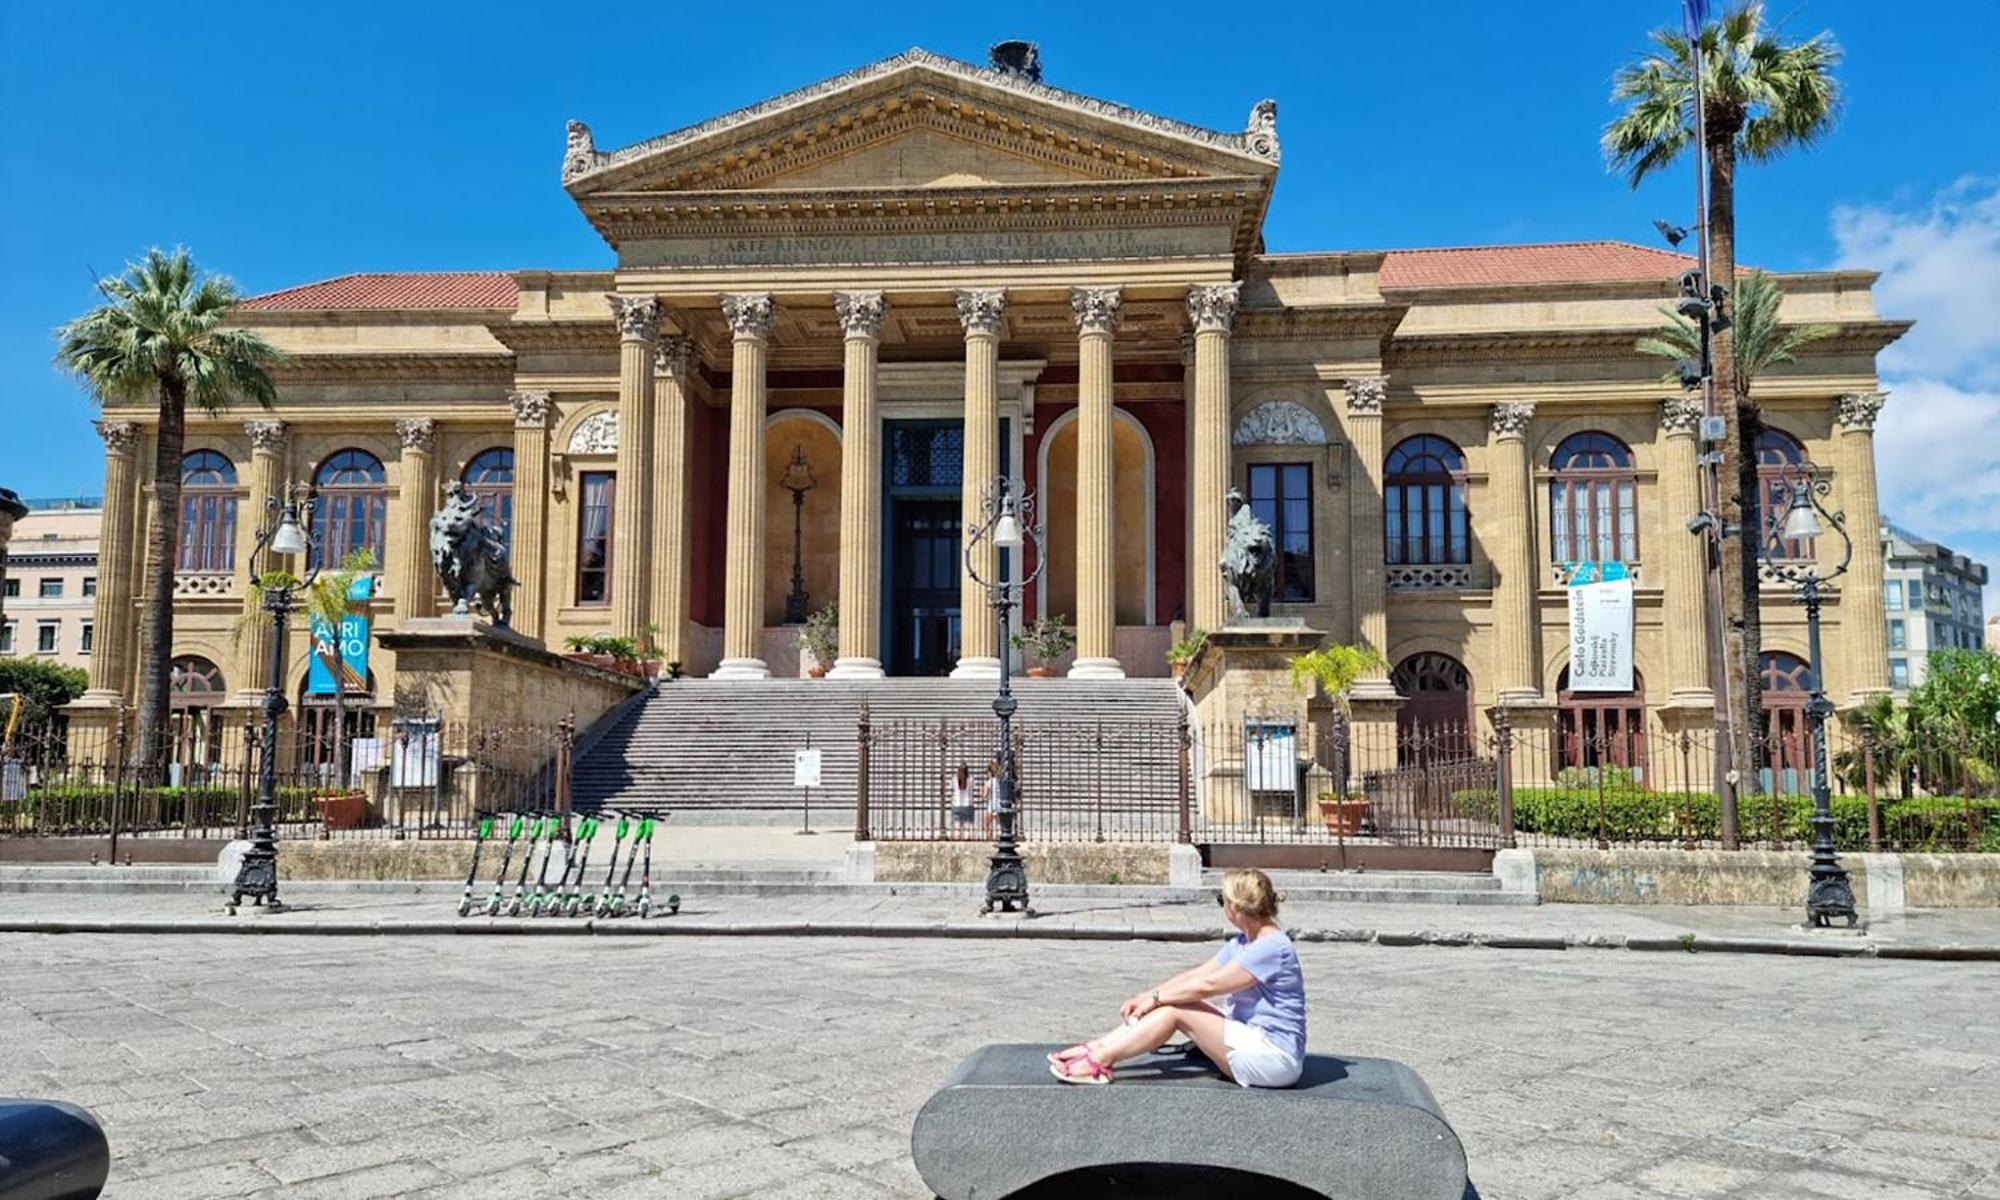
x,y
700,746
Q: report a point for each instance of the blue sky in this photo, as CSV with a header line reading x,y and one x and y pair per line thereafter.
x,y
286,143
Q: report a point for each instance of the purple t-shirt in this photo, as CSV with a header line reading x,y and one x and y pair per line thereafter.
x,y
1276,1002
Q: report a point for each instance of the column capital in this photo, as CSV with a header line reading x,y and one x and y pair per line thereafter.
x,y
1855,412
120,437
1509,420
266,437
1212,307
419,434
750,314
637,317
531,409
674,356
860,313
1365,394
1096,308
1680,416
980,310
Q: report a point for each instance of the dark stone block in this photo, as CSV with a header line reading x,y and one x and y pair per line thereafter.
x,y
1352,1129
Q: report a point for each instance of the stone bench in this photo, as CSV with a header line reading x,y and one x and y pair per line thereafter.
x,y
1352,1129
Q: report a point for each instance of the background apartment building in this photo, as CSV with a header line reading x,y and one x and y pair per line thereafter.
x,y
51,582
1933,600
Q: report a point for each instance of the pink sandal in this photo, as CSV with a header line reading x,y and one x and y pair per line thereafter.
x,y
1099,1073
1063,1057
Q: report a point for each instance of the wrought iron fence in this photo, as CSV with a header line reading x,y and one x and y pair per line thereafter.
x,y
422,777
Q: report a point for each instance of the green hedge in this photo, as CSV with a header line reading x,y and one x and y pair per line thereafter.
x,y
1630,814
87,807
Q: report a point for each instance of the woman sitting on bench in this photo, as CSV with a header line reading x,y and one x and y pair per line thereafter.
x,y
1245,1008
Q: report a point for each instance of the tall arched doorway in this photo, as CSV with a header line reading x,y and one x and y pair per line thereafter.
x,y
1436,716
195,693
1601,729
1788,685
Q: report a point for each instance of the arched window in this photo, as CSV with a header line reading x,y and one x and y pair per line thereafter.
x,y
208,512
1423,513
194,690
490,479
353,504
1593,501
1788,684
1437,709
1778,455
1602,729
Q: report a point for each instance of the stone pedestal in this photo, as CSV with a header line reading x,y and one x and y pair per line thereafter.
x,y
1244,673
472,673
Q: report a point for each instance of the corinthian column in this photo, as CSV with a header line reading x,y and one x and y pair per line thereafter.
x,y
859,654
1685,614
1516,589
1365,396
1862,621
409,562
267,481
749,317
1212,310
528,545
114,626
1096,498
980,313
638,319
669,580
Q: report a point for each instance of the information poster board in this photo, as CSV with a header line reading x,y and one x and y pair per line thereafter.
x,y
1600,631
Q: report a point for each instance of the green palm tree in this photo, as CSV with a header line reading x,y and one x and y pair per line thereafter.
x,y
1760,97
324,601
160,336
1758,342
1878,730
1336,669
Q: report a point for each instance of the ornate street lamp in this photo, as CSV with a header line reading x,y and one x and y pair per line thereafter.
x,y
1006,524
798,481
1828,894
283,537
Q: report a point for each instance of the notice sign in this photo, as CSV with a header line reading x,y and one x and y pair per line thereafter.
x,y
1600,636
346,653
805,768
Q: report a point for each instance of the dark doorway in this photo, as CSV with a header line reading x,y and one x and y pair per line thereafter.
x,y
922,465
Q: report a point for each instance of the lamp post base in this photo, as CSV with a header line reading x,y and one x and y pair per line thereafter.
x,y
1829,895
1006,882
257,878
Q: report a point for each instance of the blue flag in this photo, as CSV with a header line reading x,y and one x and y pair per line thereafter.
x,y
1694,15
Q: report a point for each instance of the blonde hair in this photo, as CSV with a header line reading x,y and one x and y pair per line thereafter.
x,y
1250,893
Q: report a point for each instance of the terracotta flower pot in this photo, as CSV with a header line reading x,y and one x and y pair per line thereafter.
x,y
1343,817
817,672
1041,672
344,810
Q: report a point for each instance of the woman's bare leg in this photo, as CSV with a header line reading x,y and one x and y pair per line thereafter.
x,y
1201,1023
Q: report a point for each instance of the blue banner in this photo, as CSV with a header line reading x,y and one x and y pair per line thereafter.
x,y
349,654
1694,15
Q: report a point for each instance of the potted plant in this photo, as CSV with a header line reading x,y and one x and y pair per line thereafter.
x,y
344,809
1044,640
820,637
1334,670
649,651
603,650
1183,651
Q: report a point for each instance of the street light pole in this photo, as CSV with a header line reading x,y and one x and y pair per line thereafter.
x,y
799,480
257,874
1002,526
1829,893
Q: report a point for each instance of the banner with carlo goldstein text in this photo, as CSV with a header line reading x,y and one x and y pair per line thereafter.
x,y
1600,633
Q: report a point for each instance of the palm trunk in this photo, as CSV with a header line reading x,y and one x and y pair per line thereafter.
x,y
156,612
1741,626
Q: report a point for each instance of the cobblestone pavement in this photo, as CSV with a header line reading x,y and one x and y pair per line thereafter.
x,y
709,1067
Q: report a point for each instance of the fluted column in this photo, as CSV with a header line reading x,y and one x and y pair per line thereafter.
x,y
1862,619
114,624
1096,496
749,317
980,312
858,654
267,481
409,562
1685,613
528,548
669,581
1212,311
1516,589
638,319
1365,396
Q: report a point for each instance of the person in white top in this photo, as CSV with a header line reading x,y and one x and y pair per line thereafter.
x,y
964,799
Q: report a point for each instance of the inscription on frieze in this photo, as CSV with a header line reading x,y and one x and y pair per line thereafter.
x,y
809,250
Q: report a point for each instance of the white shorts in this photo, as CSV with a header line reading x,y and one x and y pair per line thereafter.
x,y
1255,1061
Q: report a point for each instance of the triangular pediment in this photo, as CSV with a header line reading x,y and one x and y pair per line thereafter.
x,y
920,120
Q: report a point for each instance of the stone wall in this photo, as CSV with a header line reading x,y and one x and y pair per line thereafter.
x,y
476,675
1884,884
966,862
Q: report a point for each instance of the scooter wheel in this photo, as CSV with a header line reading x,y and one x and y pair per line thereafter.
x,y
673,905
644,910
465,908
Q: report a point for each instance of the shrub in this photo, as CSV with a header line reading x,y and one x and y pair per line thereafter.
x,y
622,649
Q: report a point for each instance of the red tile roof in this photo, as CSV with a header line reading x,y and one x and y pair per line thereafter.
x,y
416,290
1548,262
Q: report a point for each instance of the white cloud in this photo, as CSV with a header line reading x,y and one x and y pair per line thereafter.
x,y
1937,448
